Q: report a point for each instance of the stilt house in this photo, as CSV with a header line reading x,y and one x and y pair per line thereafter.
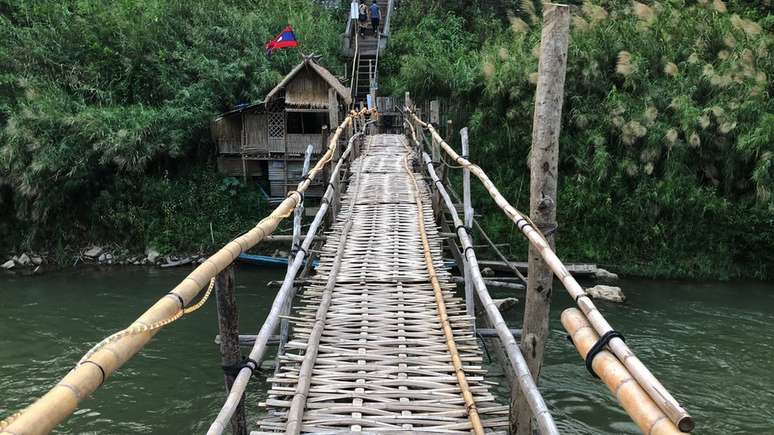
x,y
267,140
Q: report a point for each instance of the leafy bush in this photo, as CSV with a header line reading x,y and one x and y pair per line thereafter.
x,y
96,98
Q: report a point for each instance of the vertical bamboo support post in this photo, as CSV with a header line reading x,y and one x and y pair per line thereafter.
x,y
243,143
228,328
298,215
449,138
407,106
547,122
470,302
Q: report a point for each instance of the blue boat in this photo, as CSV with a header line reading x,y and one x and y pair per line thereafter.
x,y
265,260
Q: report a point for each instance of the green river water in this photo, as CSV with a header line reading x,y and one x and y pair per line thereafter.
x,y
711,344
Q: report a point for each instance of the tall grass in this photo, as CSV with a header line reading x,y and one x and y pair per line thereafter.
x,y
668,133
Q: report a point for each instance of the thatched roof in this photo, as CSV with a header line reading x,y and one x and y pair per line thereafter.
x,y
309,65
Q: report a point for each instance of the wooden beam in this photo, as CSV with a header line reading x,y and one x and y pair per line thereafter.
x,y
546,126
228,327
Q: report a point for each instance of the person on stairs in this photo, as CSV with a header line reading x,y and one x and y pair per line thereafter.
x,y
376,14
363,17
354,11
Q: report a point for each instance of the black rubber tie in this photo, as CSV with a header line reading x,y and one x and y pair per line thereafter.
x,y
457,228
179,298
247,363
101,370
598,347
584,294
465,252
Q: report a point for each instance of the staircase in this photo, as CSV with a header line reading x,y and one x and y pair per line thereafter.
x,y
364,59
363,71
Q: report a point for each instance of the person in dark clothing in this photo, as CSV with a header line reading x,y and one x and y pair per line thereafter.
x,y
363,17
376,15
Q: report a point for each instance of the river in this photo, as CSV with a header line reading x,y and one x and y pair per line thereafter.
x,y
711,344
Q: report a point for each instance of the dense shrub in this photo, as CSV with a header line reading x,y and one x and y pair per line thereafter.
x,y
102,103
667,146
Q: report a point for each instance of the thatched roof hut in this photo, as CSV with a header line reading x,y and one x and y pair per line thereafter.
x,y
293,115
307,85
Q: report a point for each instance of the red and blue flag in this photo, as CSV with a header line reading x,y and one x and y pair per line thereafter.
x,y
286,39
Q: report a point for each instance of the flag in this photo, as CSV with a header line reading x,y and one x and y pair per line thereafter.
x,y
286,39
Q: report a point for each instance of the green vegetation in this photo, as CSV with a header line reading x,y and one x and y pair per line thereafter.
x,y
667,149
105,110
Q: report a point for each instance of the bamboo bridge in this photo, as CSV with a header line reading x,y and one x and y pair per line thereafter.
x,y
377,340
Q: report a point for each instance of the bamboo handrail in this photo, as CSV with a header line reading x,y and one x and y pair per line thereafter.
x,y
285,292
518,363
639,371
355,71
62,399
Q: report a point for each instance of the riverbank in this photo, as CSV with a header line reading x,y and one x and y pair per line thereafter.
x,y
37,262
30,263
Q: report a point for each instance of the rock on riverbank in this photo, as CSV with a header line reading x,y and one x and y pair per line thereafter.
x,y
98,255
607,293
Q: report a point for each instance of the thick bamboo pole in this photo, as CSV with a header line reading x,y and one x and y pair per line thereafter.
x,y
62,400
544,171
640,407
462,381
647,380
228,329
285,292
298,214
511,348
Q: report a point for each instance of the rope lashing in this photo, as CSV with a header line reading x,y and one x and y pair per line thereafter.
x,y
137,328
134,329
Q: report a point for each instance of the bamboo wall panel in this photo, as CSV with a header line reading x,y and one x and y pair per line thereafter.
x,y
227,132
256,136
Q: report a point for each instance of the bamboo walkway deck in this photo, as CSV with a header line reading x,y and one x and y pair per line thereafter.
x,y
382,364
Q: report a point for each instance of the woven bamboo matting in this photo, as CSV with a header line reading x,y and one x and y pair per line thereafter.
x,y
383,365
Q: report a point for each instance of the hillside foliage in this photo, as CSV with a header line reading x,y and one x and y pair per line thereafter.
x,y
667,147
105,109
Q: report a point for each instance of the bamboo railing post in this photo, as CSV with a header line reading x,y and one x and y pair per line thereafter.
x,y
228,328
298,215
547,123
470,302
